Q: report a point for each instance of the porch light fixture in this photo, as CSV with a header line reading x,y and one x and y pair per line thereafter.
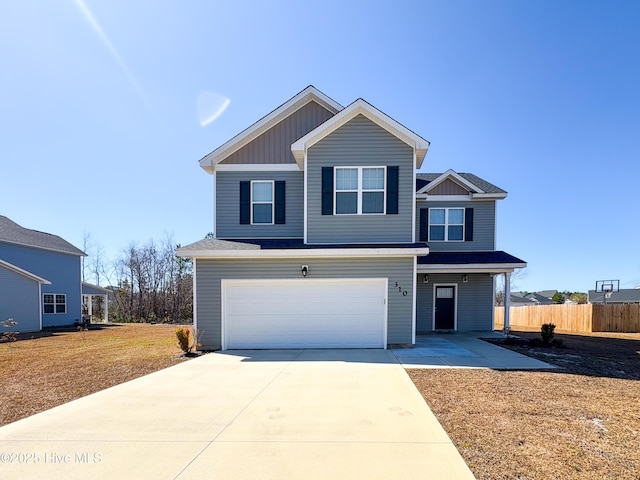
x,y
425,279
305,270
465,278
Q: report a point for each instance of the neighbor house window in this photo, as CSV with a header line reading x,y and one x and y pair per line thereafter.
x,y
54,303
359,190
262,202
446,224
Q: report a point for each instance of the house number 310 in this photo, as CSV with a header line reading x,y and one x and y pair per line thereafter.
x,y
404,292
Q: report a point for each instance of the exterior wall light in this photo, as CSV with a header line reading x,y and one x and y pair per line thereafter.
x,y
465,278
305,270
426,278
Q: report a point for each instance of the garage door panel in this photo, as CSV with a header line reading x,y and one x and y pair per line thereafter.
x,y
304,313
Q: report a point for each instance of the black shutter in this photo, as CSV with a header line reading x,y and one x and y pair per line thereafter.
x,y
392,190
327,190
424,224
245,203
468,224
280,202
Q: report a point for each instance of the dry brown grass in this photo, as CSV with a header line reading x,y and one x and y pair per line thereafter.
x,y
53,368
581,422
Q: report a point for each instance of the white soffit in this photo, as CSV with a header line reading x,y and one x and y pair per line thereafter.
x,y
455,177
208,162
360,107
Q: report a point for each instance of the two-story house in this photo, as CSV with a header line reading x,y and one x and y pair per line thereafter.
x,y
325,236
40,279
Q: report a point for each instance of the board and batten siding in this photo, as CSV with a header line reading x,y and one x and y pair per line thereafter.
x,y
228,206
20,301
484,226
475,301
274,145
210,272
360,142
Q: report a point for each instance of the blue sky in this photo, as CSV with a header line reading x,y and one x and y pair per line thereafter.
x,y
107,105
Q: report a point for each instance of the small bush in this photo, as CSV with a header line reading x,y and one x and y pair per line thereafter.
x,y
547,332
184,339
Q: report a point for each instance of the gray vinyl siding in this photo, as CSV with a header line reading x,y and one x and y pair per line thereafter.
x,y
61,269
210,272
449,187
20,301
484,222
274,145
228,206
360,142
475,301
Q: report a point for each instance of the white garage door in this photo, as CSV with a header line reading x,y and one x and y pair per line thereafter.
x,y
305,313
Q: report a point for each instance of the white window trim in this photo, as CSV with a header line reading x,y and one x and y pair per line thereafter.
x,y
359,191
446,224
272,202
55,303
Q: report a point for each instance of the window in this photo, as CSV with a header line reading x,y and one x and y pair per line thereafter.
x,y
262,202
359,190
54,303
446,224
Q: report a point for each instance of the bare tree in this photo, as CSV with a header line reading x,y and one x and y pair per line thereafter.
x,y
516,277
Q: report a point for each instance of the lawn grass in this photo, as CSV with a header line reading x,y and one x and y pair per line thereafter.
x,y
46,369
578,422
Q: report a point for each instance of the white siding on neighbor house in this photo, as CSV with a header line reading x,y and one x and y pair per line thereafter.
x,y
228,206
475,301
360,142
484,226
20,301
398,271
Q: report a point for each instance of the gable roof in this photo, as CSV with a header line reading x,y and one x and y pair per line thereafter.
x,y
360,107
477,186
32,276
11,232
209,162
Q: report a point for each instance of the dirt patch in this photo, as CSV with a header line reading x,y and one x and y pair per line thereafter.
x,y
46,369
578,422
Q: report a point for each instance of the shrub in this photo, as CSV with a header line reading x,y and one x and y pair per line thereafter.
x,y
184,339
547,332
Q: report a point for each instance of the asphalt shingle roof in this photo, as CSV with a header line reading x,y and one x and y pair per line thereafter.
x,y
466,258
11,232
423,179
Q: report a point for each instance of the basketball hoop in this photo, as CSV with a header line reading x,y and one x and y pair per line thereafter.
x,y
607,287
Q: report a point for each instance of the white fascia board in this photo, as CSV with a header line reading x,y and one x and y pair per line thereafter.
x,y
478,268
360,107
311,252
455,177
257,167
461,198
209,162
20,271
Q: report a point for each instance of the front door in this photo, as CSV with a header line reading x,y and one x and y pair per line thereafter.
x,y
445,308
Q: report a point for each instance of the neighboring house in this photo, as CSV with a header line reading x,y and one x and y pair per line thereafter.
x,y
39,278
324,236
517,300
624,295
542,298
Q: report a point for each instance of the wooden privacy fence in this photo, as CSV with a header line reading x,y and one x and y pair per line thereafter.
x,y
573,318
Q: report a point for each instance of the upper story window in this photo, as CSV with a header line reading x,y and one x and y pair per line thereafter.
x,y
446,224
262,202
54,303
360,190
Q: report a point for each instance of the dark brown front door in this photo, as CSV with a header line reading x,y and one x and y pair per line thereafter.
x,y
445,308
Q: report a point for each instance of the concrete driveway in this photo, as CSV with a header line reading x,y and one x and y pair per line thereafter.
x,y
296,414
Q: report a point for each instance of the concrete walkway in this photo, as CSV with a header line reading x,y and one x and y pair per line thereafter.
x,y
464,350
298,414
